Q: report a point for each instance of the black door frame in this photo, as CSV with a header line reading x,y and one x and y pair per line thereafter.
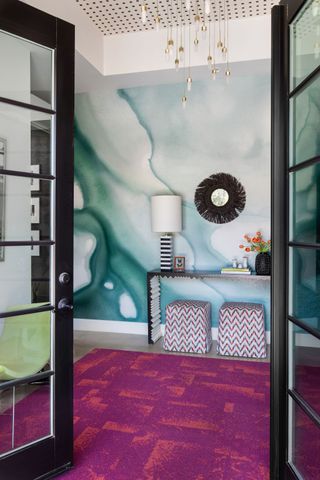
x,y
282,16
48,457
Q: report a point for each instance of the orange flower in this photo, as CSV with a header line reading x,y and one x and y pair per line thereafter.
x,y
248,249
257,249
269,241
258,234
241,246
255,240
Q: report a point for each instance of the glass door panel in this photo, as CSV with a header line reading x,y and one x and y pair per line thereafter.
x,y
305,204
303,303
304,123
305,444
24,414
26,244
304,286
28,74
26,137
29,199
6,423
304,366
305,42
25,276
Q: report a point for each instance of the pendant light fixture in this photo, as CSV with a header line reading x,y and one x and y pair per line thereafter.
x,y
219,43
209,59
181,28
157,19
182,42
177,61
197,21
224,47
228,71
189,79
170,41
144,13
207,7
180,15
214,70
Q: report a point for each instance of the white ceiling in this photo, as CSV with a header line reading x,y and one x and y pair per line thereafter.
x,y
114,17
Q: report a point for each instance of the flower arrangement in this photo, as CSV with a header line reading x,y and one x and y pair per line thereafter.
x,y
256,244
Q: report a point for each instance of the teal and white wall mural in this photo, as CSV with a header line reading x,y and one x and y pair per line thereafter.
x,y
134,143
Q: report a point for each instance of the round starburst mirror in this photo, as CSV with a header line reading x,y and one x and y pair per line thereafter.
x,y
220,198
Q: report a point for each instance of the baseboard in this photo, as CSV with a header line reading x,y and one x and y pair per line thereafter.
x,y
110,326
117,326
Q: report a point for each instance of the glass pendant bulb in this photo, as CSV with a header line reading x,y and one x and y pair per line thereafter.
x,y
184,101
197,20
228,72
224,52
196,43
157,23
170,45
188,5
176,64
209,59
204,30
207,7
167,53
181,53
214,72
189,83
144,13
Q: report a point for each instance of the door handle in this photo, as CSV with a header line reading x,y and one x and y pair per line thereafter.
x,y
65,305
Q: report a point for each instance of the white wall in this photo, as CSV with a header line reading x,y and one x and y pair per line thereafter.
x,y
89,40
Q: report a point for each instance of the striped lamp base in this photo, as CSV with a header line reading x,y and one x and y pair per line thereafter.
x,y
166,253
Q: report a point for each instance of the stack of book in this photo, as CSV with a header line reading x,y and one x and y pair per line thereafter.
x,y
235,271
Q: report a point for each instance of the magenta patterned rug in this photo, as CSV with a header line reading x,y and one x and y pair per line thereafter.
x,y
142,416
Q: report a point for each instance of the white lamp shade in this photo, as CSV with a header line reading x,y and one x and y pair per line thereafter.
x,y
166,213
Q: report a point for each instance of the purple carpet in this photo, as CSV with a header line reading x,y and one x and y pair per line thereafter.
x,y
144,416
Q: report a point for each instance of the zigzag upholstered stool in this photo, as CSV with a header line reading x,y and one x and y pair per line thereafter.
x,y
188,327
241,330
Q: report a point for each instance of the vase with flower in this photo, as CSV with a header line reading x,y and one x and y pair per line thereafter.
x,y
262,247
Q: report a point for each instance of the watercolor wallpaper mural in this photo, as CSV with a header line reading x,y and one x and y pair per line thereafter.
x,y
134,143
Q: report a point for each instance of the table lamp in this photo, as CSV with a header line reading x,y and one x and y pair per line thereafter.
x,y
166,218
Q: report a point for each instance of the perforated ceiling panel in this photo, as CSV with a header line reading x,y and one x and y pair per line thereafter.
x,y
114,17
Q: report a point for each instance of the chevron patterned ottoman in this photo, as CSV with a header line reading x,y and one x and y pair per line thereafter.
x,y
188,327
241,330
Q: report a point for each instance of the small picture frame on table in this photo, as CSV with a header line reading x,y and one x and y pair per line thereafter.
x,y
179,264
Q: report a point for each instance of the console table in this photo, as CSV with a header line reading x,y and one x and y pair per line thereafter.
x,y
154,292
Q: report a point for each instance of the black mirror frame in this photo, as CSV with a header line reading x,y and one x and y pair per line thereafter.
x,y
224,213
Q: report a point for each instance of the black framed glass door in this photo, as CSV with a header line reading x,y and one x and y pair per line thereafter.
x,y
36,249
295,426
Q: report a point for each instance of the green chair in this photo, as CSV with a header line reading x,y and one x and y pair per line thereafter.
x,y
24,343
